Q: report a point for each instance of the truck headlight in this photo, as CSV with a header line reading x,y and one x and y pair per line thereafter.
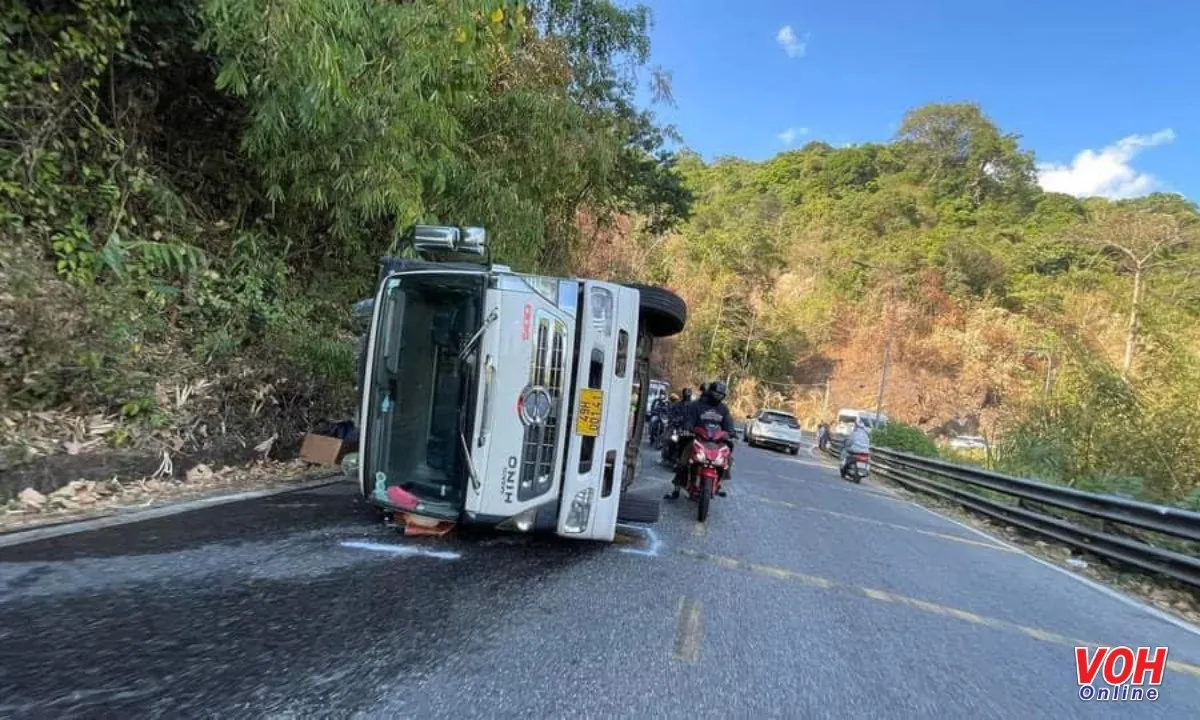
x,y
580,512
521,522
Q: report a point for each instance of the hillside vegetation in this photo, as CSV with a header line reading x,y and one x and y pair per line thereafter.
x,y
1068,331
193,193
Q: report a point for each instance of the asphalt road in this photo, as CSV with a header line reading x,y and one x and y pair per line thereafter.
x,y
802,597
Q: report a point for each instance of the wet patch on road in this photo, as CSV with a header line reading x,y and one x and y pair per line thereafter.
x,y
400,550
637,540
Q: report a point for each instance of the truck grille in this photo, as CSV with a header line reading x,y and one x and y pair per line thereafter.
x,y
546,369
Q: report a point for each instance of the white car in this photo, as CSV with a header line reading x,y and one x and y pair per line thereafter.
x,y
969,442
775,429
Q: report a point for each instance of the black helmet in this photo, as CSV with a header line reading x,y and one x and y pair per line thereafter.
x,y
717,391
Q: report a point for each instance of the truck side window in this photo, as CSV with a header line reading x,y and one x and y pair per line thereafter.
x,y
610,469
622,353
595,380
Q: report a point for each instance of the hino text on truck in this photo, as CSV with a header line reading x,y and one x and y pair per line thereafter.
x,y
498,398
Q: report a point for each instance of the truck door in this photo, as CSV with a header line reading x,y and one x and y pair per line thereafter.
x,y
600,410
525,358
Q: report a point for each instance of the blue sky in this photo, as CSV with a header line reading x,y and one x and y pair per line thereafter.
x,y
1070,77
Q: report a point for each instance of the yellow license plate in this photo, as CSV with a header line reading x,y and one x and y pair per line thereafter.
x,y
591,406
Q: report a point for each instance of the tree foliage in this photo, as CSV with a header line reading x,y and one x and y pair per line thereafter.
x,y
202,187
792,267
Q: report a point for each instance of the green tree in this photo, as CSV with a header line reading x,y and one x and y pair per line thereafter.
x,y
1141,242
960,153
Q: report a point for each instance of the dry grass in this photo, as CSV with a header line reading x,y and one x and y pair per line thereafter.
x,y
82,499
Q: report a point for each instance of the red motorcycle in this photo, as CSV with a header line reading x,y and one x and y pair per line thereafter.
x,y
708,466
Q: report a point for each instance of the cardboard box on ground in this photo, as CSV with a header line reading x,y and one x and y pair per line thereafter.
x,y
328,446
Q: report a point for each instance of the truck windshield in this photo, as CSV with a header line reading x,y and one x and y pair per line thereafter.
x,y
422,395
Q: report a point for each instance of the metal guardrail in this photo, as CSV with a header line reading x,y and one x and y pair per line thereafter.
x,y
947,480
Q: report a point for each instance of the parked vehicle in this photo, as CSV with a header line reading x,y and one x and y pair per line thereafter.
x,y
847,417
505,399
707,466
659,390
774,429
856,467
968,442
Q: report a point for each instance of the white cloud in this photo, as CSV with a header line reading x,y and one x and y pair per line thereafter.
x,y
792,45
787,137
1106,173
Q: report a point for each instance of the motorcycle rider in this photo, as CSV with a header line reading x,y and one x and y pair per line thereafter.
x,y
675,418
675,414
709,408
859,441
658,416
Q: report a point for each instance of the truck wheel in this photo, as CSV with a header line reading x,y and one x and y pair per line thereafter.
x,y
639,508
663,312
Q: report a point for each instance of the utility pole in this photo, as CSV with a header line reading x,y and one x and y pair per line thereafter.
x,y
883,376
889,315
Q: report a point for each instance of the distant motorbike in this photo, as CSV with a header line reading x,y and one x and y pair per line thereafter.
x,y
708,465
658,424
856,466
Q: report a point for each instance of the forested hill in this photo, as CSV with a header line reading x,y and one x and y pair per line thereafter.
x,y
796,268
193,193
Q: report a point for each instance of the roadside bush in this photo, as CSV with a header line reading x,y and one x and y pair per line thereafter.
x,y
904,438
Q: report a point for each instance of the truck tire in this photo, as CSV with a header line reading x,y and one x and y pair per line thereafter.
x,y
639,508
663,312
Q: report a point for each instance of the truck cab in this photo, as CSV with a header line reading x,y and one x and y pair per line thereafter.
x,y
500,398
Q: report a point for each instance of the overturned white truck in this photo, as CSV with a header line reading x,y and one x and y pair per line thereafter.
x,y
498,398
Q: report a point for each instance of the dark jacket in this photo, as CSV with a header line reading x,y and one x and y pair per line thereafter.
x,y
677,413
702,412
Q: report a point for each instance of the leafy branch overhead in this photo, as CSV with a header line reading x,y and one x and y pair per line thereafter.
x,y
505,114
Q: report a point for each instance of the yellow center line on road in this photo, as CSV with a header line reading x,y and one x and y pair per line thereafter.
x,y
690,632
813,581
882,523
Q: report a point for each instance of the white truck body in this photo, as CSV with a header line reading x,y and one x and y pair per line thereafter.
x,y
506,399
